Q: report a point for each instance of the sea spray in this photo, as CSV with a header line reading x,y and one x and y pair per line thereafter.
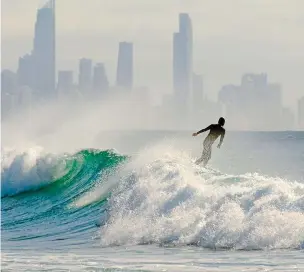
x,y
168,199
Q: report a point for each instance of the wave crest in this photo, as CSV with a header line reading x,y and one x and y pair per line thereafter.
x,y
34,168
171,200
28,170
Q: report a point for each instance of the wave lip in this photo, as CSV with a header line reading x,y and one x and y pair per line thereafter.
x,y
175,202
27,170
33,168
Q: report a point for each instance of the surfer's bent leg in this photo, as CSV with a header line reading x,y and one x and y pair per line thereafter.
x,y
206,155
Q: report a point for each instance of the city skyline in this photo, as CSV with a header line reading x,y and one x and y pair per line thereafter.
x,y
221,54
254,104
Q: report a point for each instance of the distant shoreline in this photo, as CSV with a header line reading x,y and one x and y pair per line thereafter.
x,y
190,131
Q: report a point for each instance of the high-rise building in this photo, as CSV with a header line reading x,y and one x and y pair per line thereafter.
x,y
85,75
100,80
301,113
65,81
254,81
182,60
9,82
197,86
44,52
9,90
25,98
8,105
177,71
254,104
26,71
287,119
124,77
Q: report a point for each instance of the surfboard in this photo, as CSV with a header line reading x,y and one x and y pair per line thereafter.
x,y
205,169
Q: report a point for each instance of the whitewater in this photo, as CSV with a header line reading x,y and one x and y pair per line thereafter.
x,y
140,203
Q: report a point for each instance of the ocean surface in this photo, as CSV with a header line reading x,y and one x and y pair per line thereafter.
x,y
135,201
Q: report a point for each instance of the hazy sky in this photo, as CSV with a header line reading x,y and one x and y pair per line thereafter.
x,y
230,37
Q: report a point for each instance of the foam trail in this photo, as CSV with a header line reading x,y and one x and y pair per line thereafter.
x,y
174,201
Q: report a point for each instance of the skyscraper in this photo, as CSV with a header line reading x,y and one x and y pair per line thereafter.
x,y
26,71
85,75
8,93
65,81
124,77
9,82
197,86
44,52
255,104
182,60
301,113
100,80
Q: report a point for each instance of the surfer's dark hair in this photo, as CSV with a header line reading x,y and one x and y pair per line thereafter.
x,y
221,121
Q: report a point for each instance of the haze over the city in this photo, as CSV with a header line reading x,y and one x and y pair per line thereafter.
x,y
230,38
235,47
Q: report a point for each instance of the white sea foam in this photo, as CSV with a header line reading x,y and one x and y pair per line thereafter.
x,y
28,169
165,198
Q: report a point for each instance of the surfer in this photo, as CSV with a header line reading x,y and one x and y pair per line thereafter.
x,y
216,130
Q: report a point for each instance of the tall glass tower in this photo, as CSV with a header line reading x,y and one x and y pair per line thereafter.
x,y
124,77
85,75
182,60
44,52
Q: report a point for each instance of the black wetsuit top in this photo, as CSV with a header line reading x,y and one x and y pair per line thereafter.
x,y
215,131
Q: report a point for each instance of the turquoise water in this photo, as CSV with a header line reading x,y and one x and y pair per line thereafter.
x,y
148,207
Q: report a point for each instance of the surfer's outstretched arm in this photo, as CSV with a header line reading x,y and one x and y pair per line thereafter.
x,y
222,139
202,130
